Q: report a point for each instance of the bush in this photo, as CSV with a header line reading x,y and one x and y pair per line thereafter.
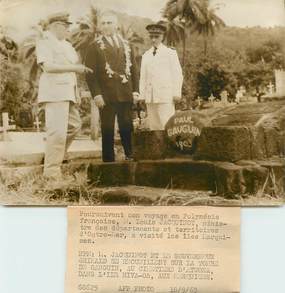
x,y
14,90
10,87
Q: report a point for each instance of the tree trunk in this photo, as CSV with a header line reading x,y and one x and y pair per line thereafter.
x,y
184,51
205,46
189,103
95,123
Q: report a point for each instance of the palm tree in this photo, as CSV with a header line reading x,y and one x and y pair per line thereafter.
x,y
187,13
194,16
86,32
187,10
135,40
8,48
175,32
28,50
209,27
131,36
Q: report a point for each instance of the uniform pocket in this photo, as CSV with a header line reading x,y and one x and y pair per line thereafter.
x,y
62,79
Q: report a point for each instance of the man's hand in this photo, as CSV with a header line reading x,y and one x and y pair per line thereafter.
x,y
99,101
176,99
83,69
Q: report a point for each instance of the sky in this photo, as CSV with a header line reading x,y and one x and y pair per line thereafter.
x,y
19,15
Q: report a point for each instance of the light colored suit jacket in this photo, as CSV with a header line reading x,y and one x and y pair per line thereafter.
x,y
161,75
56,87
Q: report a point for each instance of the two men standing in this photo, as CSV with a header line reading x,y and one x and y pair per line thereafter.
x,y
114,82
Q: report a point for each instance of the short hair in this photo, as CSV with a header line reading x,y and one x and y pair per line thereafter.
x,y
108,13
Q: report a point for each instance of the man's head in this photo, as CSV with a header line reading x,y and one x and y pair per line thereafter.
x,y
156,33
59,24
108,23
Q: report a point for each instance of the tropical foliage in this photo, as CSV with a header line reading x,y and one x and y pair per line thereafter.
x,y
231,58
86,32
184,17
12,87
27,54
237,57
175,32
8,48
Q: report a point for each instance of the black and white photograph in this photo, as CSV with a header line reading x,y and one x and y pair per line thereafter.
x,y
152,103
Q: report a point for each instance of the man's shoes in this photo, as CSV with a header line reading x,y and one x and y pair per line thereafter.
x,y
108,161
129,159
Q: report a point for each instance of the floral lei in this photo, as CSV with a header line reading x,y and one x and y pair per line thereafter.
x,y
110,72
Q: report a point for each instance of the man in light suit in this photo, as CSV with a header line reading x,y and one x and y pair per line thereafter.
x,y
160,80
58,93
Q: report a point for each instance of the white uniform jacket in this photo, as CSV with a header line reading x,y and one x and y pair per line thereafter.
x,y
56,87
161,75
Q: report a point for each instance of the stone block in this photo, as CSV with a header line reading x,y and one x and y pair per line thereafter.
x,y
258,147
171,173
150,145
270,136
233,180
254,178
226,179
224,143
176,174
111,174
118,196
229,179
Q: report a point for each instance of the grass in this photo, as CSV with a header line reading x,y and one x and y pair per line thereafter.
x,y
35,190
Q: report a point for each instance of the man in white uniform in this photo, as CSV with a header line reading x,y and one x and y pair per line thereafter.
x,y
160,80
58,91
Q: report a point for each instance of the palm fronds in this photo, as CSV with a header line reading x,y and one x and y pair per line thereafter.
x,y
133,37
188,11
8,48
175,32
86,32
210,26
184,16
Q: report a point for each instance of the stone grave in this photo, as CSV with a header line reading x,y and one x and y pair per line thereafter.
x,y
211,99
280,82
224,97
6,127
277,91
211,150
37,124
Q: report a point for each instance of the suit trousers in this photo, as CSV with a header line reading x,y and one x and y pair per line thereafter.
x,y
158,114
123,111
62,124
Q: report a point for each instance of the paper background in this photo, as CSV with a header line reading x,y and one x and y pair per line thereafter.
x,y
32,250
84,259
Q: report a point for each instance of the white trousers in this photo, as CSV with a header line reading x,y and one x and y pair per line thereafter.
x,y
62,124
158,114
